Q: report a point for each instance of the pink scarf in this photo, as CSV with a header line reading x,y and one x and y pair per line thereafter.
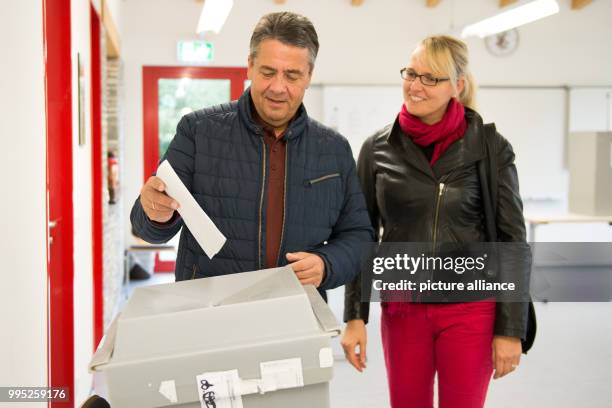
x,y
450,129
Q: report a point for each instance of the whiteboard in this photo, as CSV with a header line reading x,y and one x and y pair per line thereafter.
x,y
591,109
359,111
533,119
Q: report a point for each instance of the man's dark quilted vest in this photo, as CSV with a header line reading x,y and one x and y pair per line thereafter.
x,y
220,155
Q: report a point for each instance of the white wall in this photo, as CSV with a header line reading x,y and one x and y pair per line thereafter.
x,y
83,272
368,44
25,271
365,45
23,292
149,33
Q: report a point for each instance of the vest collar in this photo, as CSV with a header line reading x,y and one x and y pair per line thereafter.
x,y
245,109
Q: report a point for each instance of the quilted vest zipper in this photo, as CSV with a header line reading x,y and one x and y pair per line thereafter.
x,y
280,246
261,200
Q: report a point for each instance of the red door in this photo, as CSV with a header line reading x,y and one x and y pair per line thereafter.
x,y
171,92
60,264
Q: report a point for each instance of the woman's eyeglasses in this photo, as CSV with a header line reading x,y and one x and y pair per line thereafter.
x,y
426,79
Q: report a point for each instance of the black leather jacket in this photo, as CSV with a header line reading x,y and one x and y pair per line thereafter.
x,y
415,202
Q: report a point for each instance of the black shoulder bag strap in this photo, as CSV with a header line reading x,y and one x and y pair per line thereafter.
x,y
487,172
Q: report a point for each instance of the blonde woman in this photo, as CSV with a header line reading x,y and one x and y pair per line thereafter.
x,y
421,183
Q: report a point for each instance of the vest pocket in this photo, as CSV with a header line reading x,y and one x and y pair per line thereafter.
x,y
323,196
320,179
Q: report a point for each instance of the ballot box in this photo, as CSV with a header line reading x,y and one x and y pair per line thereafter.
x,y
253,340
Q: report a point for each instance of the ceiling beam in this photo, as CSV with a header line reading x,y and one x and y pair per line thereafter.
x,y
578,4
432,3
113,46
504,3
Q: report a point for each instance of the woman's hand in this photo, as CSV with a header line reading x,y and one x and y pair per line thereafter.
x,y
355,334
506,355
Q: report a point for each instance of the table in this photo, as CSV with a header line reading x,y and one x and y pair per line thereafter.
x,y
533,221
142,246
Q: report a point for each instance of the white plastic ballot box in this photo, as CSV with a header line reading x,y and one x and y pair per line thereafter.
x,y
253,340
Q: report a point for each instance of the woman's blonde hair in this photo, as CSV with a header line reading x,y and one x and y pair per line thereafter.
x,y
448,57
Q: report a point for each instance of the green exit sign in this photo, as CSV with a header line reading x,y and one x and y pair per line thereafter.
x,y
195,52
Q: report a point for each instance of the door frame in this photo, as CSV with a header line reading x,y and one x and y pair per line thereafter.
x,y
97,182
150,96
150,76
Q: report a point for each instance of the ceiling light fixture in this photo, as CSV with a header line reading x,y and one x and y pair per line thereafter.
x,y
515,17
214,14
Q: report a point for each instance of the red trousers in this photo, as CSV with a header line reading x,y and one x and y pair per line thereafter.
x,y
452,340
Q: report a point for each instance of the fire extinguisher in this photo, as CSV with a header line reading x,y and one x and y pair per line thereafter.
x,y
113,177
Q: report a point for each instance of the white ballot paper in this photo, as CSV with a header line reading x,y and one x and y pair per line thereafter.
x,y
200,225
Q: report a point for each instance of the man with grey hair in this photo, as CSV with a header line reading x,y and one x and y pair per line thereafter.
x,y
280,186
